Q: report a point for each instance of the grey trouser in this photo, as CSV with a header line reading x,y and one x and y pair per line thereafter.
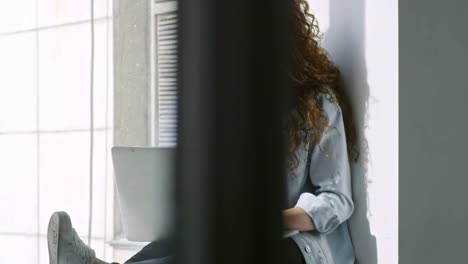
x,y
157,252
161,252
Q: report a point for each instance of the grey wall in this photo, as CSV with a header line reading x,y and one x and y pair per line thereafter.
x,y
433,130
131,71
131,88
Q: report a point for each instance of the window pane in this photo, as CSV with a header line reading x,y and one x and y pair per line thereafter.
x,y
17,15
65,179
100,170
18,82
43,251
18,190
64,77
102,73
64,183
18,249
57,12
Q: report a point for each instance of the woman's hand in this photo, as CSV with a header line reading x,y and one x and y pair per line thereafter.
x,y
297,219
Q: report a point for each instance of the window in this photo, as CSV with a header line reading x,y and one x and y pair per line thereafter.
x,y
45,123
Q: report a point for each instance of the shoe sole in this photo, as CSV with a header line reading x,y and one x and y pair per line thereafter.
x,y
52,238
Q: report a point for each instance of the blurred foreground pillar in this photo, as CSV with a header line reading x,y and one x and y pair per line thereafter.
x,y
230,162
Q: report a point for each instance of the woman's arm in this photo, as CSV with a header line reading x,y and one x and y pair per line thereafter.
x,y
297,219
331,203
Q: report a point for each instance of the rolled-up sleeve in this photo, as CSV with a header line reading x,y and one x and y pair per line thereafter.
x,y
331,203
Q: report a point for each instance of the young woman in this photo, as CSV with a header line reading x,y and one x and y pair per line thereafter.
x,y
321,145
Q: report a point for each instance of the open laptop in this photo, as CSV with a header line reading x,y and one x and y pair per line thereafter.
x,y
144,179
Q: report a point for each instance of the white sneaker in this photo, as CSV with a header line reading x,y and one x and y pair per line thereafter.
x,y
65,246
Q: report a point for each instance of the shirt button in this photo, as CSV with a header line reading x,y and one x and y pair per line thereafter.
x,y
307,249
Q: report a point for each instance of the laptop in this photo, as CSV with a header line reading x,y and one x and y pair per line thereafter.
x,y
144,178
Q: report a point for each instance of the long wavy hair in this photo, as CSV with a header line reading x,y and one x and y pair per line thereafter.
x,y
311,72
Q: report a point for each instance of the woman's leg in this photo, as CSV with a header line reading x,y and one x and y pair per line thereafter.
x,y
65,245
163,250
160,250
155,250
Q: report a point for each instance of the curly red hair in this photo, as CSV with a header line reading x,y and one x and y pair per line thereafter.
x,y
312,73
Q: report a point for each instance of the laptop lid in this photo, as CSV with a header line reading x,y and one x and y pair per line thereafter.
x,y
144,179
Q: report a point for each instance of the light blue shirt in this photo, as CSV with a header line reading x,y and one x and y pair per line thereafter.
x,y
322,187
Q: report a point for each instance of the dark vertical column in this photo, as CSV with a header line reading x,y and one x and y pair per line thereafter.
x,y
433,208
230,161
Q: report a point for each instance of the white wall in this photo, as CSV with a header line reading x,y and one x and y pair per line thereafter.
x,y
362,38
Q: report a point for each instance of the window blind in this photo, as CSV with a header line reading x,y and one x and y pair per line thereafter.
x,y
166,78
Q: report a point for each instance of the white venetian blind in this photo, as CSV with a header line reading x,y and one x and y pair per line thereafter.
x,y
166,78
